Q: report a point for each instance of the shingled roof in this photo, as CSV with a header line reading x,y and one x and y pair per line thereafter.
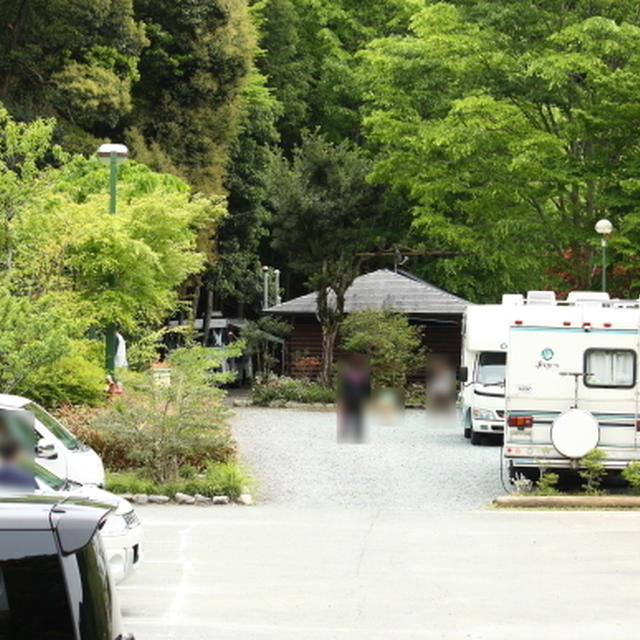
x,y
384,289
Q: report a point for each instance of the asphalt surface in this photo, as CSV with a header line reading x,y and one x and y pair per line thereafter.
x,y
408,550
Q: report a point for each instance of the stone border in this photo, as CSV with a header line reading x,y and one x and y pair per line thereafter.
x,y
568,502
184,498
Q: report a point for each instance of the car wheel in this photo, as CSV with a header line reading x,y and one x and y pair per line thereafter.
x,y
467,432
475,437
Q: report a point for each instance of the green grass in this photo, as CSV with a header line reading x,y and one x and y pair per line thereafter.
x,y
220,479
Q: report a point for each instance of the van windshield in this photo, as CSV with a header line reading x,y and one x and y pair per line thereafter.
x,y
491,368
53,425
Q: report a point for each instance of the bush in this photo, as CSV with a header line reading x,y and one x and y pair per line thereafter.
x,y
593,472
546,484
163,428
220,479
392,345
284,389
632,475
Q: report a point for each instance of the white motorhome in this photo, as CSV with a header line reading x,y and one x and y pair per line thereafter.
x,y
485,335
572,382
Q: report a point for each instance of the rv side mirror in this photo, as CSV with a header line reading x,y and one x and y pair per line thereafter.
x,y
463,374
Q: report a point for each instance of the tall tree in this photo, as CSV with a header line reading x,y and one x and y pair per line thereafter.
x,y
72,59
325,212
192,74
511,135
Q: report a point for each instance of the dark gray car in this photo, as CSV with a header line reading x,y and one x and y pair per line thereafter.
x,y
54,581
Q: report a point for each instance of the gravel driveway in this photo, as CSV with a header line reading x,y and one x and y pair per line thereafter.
x,y
423,463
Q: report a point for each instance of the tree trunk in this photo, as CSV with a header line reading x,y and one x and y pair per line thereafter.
x,y
206,323
329,335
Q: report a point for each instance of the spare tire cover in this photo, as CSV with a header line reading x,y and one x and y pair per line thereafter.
x,y
575,433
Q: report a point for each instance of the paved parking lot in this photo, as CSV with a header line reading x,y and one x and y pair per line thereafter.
x,y
346,566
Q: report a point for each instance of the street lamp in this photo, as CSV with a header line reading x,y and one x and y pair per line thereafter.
x,y
604,228
113,155
265,287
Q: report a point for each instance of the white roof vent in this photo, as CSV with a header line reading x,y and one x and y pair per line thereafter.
x,y
541,297
588,297
512,299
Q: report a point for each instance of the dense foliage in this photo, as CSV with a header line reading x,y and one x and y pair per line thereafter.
x,y
487,136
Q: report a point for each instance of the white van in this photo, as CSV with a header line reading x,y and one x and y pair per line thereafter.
x,y
485,333
58,450
572,383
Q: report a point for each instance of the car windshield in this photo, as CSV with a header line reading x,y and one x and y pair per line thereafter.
x,y
491,368
48,478
54,426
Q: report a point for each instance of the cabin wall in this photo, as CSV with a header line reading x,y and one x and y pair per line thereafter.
x,y
442,337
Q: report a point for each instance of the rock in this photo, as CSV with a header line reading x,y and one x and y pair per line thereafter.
x,y
220,500
291,404
126,496
245,498
140,498
200,499
183,498
158,499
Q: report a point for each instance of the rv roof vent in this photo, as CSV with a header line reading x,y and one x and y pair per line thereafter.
x,y
588,297
541,297
513,299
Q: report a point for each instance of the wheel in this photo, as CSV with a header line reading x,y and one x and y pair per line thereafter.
x,y
475,437
467,424
467,432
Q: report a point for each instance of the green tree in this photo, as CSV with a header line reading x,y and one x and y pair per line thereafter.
x,y
324,213
392,345
72,59
188,98
510,134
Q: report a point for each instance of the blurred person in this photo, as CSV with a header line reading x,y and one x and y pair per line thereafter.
x,y
354,390
441,385
13,472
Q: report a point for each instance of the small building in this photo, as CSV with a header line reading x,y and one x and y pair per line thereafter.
x,y
423,303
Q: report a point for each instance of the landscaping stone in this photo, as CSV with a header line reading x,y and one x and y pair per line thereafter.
x,y
245,498
158,499
126,496
200,499
140,498
183,498
220,500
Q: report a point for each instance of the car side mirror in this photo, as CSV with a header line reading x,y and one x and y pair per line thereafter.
x,y
463,374
46,450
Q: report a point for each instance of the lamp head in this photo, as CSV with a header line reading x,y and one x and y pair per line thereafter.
x,y
604,227
120,150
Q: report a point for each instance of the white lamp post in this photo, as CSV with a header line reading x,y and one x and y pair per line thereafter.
x,y
604,228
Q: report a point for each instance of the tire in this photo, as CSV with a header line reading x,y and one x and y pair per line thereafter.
x,y
475,437
467,424
467,432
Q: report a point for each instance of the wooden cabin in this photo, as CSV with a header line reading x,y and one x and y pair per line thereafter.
x,y
424,304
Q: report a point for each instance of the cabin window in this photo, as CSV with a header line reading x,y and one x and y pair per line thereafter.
x,y
611,368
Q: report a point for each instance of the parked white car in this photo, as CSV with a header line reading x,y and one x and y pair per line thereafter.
x,y
58,450
121,533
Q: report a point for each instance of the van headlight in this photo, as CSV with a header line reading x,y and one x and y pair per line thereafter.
x,y
484,414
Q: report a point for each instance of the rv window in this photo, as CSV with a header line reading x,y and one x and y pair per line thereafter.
x,y
491,368
610,368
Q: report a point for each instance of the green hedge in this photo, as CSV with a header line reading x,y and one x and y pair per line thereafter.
x,y
284,389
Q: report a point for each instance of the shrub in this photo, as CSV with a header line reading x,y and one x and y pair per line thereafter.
x,y
546,484
593,472
632,475
283,389
392,345
163,428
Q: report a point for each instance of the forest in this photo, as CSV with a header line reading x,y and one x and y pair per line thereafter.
x,y
324,138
